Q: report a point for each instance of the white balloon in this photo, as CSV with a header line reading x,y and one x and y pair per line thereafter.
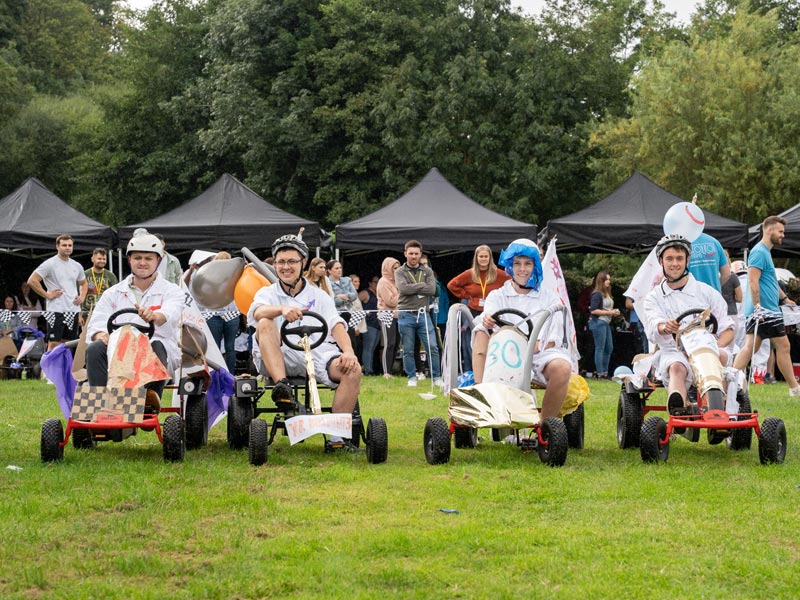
x,y
684,219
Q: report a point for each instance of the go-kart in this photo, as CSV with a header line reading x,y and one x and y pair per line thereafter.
x,y
24,363
114,414
503,402
245,430
732,422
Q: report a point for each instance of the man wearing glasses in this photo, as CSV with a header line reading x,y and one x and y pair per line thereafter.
x,y
288,299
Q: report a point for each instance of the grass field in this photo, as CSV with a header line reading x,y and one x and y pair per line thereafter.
x,y
117,522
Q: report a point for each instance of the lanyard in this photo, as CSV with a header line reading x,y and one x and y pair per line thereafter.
x,y
98,287
411,276
483,277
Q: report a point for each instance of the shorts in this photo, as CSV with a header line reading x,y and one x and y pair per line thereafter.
x,y
770,325
295,361
542,359
61,328
666,359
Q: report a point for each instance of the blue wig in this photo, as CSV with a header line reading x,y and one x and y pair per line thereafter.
x,y
523,247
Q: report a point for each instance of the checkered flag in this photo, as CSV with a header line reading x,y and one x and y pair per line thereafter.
x,y
5,315
230,315
24,317
50,317
69,319
386,317
356,317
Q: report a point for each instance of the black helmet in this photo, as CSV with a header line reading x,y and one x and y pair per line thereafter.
x,y
673,241
290,242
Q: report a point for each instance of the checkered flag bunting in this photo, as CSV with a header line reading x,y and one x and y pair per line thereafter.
x,y
230,315
385,317
50,317
25,317
5,315
69,319
356,317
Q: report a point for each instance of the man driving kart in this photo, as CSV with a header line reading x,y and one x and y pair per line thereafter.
x,y
287,300
156,301
677,293
551,364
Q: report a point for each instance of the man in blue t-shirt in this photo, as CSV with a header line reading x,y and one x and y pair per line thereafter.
x,y
708,262
764,319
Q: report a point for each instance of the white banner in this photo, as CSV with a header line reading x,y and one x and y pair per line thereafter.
x,y
553,279
791,314
304,426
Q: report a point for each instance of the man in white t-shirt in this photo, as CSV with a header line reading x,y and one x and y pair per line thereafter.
x,y
62,282
287,300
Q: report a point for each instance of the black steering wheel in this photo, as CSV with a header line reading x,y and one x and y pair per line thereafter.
x,y
526,320
711,322
148,329
289,331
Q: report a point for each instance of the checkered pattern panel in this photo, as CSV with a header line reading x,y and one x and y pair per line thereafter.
x,y
94,403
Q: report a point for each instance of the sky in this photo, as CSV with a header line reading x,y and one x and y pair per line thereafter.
x,y
682,8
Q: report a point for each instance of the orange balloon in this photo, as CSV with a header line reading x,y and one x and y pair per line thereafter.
x,y
249,283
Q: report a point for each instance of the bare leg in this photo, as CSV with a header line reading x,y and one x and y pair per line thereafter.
x,y
677,381
784,359
346,395
557,373
479,348
751,344
270,345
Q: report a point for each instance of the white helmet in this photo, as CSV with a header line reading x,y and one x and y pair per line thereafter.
x,y
145,242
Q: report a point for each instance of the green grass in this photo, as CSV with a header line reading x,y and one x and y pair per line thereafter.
x,y
116,522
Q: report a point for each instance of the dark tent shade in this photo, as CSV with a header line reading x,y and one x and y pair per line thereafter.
x,y
791,240
31,217
227,216
438,215
630,219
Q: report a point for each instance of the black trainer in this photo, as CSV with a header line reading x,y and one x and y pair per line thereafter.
x,y
341,446
675,404
282,392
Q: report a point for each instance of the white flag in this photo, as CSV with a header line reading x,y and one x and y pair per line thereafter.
x,y
647,277
554,280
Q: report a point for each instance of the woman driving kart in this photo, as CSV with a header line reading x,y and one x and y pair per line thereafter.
x,y
551,364
155,299
286,301
678,293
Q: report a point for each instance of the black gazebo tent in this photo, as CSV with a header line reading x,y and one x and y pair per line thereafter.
x,y
438,215
226,216
31,217
791,240
630,219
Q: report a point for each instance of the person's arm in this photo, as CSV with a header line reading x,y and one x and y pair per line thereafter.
x,y
410,288
457,285
724,272
363,295
753,277
350,290
35,281
738,295
83,289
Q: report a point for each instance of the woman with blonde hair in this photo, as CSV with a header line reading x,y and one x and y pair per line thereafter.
x,y
474,285
316,274
387,294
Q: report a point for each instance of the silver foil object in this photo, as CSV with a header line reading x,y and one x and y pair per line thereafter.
x,y
493,405
214,283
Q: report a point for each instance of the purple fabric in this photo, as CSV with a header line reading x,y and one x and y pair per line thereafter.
x,y
218,394
57,366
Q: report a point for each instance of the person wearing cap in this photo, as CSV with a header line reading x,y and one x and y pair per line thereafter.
x,y
551,361
156,301
288,300
762,305
677,293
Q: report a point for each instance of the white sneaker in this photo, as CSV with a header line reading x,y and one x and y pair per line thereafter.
x,y
795,391
420,376
412,382
438,382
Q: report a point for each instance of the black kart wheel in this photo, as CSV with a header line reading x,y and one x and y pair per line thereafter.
x,y
629,420
465,437
575,428
654,431
437,441
772,443
555,443
377,441
82,439
257,449
174,439
357,430
52,437
741,439
240,414
196,416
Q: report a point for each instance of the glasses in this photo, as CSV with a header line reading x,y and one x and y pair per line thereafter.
x,y
292,262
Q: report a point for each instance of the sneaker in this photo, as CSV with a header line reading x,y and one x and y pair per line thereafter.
x,y
341,446
675,404
794,392
412,382
387,376
282,392
438,382
420,376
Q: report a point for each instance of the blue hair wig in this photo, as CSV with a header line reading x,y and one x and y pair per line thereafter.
x,y
523,247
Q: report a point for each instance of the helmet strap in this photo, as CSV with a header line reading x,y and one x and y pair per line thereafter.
x,y
676,280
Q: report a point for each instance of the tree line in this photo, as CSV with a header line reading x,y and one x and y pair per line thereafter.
x,y
332,108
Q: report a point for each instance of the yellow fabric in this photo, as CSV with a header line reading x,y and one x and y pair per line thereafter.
x,y
577,393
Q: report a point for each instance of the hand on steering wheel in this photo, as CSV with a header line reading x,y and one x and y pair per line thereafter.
x,y
525,320
148,329
711,322
288,331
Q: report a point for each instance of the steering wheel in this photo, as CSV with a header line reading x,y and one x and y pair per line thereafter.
x,y
298,331
711,322
526,320
149,329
